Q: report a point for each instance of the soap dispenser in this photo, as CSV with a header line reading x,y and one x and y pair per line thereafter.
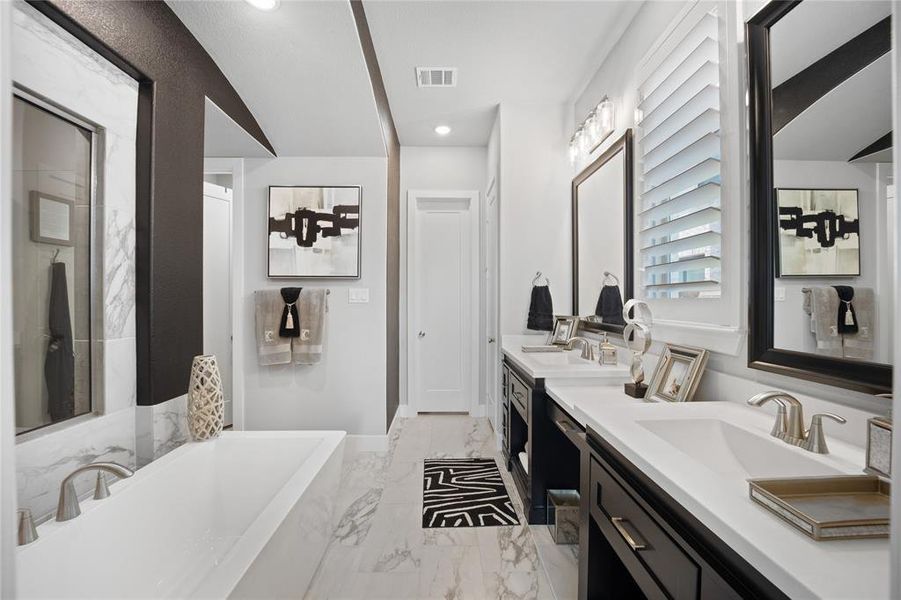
x,y
607,352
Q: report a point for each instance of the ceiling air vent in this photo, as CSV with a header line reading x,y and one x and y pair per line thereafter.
x,y
436,77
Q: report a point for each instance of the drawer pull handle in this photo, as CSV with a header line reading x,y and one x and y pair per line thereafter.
x,y
618,523
565,426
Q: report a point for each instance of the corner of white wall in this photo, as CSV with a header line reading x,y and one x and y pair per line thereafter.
x,y
7,429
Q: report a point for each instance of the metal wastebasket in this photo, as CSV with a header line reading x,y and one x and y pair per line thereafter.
x,y
563,515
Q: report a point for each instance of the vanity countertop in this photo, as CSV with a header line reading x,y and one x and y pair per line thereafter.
x,y
575,396
564,365
696,454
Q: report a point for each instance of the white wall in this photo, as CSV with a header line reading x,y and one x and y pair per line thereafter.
x,y
535,210
347,389
458,168
7,392
792,326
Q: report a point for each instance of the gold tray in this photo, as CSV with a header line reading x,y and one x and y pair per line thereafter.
x,y
830,507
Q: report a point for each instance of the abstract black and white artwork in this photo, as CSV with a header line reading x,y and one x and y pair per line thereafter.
x,y
314,232
465,492
819,233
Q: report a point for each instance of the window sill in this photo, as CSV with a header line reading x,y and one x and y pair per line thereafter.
x,y
716,338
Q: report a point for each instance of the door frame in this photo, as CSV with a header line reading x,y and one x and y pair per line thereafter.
x,y
235,168
476,408
491,360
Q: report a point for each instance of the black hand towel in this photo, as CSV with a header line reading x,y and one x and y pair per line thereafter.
x,y
610,305
847,323
541,309
290,324
59,364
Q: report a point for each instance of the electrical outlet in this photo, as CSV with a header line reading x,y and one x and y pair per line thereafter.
x,y
358,295
779,294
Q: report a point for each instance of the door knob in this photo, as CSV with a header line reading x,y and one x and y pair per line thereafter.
x,y
421,334
491,340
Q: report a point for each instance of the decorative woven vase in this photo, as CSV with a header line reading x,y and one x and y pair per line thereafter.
x,y
205,398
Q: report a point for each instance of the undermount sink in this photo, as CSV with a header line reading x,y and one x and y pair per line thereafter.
x,y
730,450
560,359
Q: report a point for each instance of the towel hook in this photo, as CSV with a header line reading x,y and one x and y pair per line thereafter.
x,y
55,256
538,276
609,275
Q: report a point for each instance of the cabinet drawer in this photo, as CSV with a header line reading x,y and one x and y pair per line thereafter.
x,y
519,396
632,530
565,423
505,378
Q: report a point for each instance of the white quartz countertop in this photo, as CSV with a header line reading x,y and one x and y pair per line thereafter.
x,y
697,468
563,365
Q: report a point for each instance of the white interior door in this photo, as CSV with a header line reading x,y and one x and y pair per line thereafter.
x,y
217,325
491,334
443,287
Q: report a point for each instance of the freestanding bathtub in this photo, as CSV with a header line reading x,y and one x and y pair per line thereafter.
x,y
247,515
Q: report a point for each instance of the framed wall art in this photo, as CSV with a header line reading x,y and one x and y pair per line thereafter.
x,y
819,233
314,232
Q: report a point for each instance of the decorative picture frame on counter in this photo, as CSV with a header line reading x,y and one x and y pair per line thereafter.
x,y
565,327
677,374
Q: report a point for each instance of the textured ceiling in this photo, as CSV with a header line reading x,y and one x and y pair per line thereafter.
x,y
299,69
524,52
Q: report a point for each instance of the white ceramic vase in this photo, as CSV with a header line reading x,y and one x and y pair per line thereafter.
x,y
205,398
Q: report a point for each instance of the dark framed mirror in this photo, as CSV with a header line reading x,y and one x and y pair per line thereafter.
x,y
602,250
822,199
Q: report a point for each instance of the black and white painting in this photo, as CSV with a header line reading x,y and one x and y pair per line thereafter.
x,y
314,232
819,233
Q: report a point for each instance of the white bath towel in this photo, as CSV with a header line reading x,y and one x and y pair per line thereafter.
x,y
271,349
860,345
312,306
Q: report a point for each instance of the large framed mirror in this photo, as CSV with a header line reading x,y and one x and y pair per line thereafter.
x,y
602,238
822,199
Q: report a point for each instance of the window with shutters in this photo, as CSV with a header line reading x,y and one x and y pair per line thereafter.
x,y
678,152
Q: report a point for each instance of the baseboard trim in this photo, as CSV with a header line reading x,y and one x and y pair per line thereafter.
x,y
366,443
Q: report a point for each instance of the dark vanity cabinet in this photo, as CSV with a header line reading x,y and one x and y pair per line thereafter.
x,y
534,425
636,541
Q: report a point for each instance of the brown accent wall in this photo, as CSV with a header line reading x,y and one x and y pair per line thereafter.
x,y
392,146
148,41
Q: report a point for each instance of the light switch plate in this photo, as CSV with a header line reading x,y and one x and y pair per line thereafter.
x,y
779,294
358,295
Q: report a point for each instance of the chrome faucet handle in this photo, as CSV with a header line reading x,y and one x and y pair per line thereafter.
x,y
27,531
815,440
68,507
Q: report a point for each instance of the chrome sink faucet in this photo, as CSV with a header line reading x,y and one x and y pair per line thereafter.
x,y
789,425
68,507
587,347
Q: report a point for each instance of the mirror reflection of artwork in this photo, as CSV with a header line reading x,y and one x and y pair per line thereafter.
x,y
819,233
314,232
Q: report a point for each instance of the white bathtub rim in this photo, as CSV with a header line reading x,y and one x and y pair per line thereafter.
x,y
253,542
226,575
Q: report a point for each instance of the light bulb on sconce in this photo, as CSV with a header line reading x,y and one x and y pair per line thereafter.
x,y
639,116
593,128
573,150
583,142
606,115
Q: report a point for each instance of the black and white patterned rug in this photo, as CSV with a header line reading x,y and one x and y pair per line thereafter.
x,y
465,492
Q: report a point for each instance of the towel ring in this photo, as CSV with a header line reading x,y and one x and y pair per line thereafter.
x,y
538,276
609,275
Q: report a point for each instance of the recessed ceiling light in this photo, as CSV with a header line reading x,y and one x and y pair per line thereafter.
x,y
266,5
442,130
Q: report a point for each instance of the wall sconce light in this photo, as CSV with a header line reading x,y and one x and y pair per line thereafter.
x,y
596,127
639,116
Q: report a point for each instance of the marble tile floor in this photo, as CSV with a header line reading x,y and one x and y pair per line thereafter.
x,y
380,550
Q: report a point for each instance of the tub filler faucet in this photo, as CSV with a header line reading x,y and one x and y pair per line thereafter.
x,y
68,507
